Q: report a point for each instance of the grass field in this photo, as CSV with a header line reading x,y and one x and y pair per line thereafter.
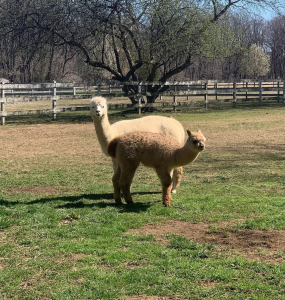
x,y
62,236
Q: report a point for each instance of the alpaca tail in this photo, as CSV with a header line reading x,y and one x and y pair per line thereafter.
x,y
112,148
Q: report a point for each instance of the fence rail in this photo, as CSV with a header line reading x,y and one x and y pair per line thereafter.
x,y
203,92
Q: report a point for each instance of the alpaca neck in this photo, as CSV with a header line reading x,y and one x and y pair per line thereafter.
x,y
184,156
103,131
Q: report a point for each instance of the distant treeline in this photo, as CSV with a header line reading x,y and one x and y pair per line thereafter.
x,y
92,41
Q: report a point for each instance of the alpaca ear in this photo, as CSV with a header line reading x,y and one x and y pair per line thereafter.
x,y
189,132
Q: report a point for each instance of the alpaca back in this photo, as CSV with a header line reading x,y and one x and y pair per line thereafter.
x,y
150,149
153,124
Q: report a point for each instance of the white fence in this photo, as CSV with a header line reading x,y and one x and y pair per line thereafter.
x,y
203,93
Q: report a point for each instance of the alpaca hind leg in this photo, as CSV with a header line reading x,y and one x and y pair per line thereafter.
x,y
166,182
125,182
176,179
117,190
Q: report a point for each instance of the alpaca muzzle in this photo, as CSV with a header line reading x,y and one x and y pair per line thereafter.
x,y
201,146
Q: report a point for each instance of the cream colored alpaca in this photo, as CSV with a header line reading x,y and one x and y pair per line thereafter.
x,y
154,150
157,124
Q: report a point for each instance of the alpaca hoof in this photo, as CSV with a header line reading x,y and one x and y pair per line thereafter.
x,y
118,202
167,204
130,202
173,191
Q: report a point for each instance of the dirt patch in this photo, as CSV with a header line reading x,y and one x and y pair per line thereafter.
x,y
252,244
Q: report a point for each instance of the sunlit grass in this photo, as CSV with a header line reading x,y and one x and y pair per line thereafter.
x,y
63,237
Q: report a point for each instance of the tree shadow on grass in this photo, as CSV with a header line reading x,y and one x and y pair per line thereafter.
x,y
73,117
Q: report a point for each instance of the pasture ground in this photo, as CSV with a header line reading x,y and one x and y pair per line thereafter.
x,y
62,236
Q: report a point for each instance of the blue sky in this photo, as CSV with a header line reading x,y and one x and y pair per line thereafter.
x,y
268,15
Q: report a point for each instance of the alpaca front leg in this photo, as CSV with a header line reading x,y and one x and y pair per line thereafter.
x,y
176,179
166,182
166,194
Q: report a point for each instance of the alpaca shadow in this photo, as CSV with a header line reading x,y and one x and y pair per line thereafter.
x,y
74,199
88,200
105,200
70,199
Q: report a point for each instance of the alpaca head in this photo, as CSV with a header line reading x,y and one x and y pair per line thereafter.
x,y
196,141
98,107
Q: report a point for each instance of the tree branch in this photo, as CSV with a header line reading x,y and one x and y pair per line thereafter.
x,y
217,14
176,70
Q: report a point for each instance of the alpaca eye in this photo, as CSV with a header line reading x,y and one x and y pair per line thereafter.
x,y
195,142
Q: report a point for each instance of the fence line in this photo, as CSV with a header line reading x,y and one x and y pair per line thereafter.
x,y
227,91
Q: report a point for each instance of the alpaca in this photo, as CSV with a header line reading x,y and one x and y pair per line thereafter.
x,y
154,150
156,124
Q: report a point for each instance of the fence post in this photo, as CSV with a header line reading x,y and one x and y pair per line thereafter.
x,y
234,94
74,91
206,95
99,90
54,102
284,92
216,90
174,102
187,92
246,93
139,99
3,100
3,113
260,93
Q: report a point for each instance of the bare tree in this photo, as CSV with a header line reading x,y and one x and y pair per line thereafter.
x,y
129,40
29,53
275,42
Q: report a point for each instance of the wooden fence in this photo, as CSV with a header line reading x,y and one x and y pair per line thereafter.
x,y
203,94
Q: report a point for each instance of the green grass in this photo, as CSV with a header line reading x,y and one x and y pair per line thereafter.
x,y
62,236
